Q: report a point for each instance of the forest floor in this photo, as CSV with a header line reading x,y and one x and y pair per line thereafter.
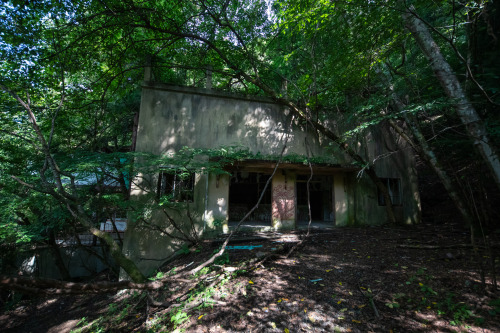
x,y
374,279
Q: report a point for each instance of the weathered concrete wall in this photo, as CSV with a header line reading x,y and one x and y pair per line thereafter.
x,y
392,158
174,117
160,233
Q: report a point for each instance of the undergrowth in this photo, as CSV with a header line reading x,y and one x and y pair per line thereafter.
x,y
132,307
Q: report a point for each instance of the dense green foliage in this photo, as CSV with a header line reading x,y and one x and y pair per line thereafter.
x,y
78,65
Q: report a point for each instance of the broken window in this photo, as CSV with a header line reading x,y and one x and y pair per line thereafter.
x,y
394,187
176,183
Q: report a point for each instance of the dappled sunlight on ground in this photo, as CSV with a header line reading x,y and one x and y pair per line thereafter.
x,y
430,319
326,285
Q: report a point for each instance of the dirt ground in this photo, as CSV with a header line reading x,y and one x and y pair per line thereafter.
x,y
373,279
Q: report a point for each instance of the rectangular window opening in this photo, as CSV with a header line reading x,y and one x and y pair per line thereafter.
x,y
176,183
394,187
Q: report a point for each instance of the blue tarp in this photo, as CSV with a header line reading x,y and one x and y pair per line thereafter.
x,y
243,247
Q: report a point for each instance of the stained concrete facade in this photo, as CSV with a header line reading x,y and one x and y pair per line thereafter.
x,y
174,117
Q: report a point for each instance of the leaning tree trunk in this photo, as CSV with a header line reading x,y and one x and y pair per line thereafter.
x,y
427,154
424,150
116,252
70,199
474,125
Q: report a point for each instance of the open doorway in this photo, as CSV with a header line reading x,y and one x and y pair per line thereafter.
x,y
245,189
321,199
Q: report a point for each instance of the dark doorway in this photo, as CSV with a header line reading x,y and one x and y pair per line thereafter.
x,y
244,192
320,192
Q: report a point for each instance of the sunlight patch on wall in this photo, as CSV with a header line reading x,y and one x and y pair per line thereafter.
x,y
221,202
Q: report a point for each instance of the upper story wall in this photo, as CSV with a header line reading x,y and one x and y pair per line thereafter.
x,y
172,117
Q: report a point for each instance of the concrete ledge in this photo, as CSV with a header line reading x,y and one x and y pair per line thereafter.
x,y
205,92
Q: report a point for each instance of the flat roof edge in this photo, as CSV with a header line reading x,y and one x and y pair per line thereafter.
x,y
205,92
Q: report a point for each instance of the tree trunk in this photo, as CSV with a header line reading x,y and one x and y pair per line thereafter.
x,y
427,154
116,252
474,125
70,199
430,157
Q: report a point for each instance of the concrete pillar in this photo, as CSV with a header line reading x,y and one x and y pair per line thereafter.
x,y
216,208
283,201
340,198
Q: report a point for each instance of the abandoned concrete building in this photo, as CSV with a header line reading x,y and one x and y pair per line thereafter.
x,y
173,117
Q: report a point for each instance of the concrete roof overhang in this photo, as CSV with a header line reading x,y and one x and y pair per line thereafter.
x,y
266,166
